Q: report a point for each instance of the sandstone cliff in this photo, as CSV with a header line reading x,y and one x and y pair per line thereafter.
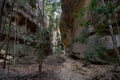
x,y
70,27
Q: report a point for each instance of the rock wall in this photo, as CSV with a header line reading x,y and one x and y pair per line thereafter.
x,y
70,27
23,35
69,24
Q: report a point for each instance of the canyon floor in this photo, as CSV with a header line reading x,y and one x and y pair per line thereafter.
x,y
59,68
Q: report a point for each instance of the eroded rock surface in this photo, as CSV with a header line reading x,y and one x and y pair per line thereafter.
x,y
70,27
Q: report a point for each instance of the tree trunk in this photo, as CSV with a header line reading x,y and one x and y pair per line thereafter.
x,y
112,35
43,47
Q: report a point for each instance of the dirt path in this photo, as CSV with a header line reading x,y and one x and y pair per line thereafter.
x,y
57,68
68,69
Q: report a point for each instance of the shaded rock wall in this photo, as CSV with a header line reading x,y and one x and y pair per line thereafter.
x,y
23,32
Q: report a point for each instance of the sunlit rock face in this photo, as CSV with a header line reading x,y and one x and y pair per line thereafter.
x,y
70,27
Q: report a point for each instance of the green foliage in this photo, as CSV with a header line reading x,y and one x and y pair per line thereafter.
x,y
58,49
106,10
52,9
101,30
93,2
23,2
85,24
114,60
83,37
95,49
32,3
43,36
81,13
